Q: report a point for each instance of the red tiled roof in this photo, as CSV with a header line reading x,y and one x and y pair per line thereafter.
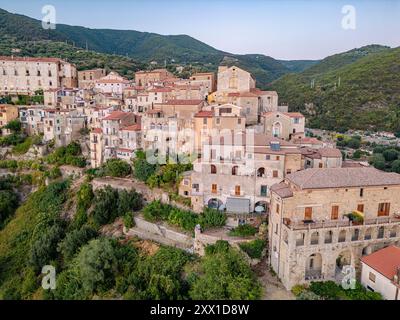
x,y
112,81
97,130
134,127
116,115
385,261
160,90
294,114
29,59
125,150
204,114
183,102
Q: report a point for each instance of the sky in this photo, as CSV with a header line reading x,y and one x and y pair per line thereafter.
x,y
296,29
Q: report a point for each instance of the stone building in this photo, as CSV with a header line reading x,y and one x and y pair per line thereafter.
x,y
112,83
323,219
217,118
143,78
25,75
283,125
87,78
8,113
236,173
96,147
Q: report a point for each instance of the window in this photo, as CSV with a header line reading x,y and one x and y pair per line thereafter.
x,y
308,213
277,208
263,191
372,277
320,165
218,120
214,188
296,120
235,170
240,121
204,120
275,174
213,169
278,157
383,209
288,171
237,190
335,213
361,192
360,207
267,157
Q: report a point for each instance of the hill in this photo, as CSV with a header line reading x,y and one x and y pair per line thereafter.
x,y
145,46
358,89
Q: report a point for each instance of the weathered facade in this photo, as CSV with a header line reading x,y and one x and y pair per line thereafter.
x,y
311,234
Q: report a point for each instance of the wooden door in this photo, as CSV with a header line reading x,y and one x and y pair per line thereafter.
x,y
335,213
308,213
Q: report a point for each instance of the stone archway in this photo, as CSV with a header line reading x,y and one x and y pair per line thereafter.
x,y
343,259
214,203
313,268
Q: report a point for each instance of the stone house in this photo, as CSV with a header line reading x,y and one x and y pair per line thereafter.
x,y
323,219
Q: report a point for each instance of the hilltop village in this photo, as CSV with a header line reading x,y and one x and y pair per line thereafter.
x,y
239,153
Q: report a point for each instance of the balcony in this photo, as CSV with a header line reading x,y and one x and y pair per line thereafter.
x,y
306,225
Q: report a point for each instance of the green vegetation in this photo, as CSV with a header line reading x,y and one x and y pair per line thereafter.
x,y
110,203
117,168
243,230
366,97
253,248
71,155
8,200
223,274
386,158
18,249
329,290
187,220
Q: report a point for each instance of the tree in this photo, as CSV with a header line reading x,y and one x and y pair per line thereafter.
x,y
354,143
106,202
74,240
143,169
396,166
14,126
44,249
96,263
8,203
117,168
223,274
390,154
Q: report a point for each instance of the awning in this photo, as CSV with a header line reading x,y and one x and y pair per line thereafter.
x,y
236,205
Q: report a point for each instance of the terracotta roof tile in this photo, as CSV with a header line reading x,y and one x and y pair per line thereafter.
x,y
385,261
318,178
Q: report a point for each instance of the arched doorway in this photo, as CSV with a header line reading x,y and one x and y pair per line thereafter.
x,y
260,172
313,267
343,259
261,207
214,203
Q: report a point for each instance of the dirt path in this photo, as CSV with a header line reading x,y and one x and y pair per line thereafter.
x,y
272,287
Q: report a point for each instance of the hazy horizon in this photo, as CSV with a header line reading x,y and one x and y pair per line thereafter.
x,y
285,30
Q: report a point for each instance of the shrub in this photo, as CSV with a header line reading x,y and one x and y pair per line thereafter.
x,y
212,218
129,222
243,230
74,240
223,274
298,289
117,168
254,249
156,211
